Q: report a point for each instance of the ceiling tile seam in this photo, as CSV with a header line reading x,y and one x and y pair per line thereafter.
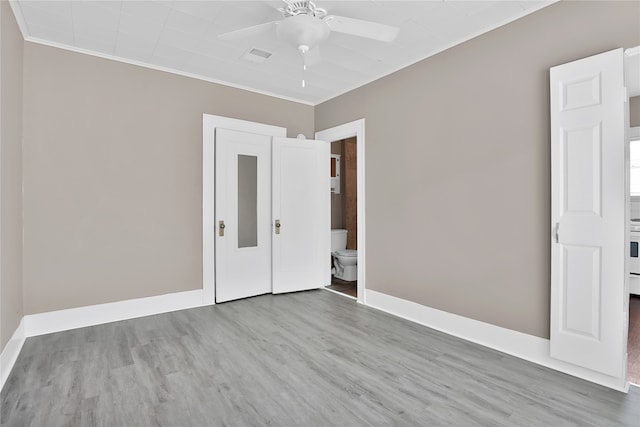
x,y
356,52
115,44
444,48
73,26
164,69
26,35
234,61
164,25
192,48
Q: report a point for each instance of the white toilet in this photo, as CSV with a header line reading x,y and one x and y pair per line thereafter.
x,y
345,261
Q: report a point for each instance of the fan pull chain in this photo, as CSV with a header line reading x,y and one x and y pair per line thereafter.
x,y
303,49
304,68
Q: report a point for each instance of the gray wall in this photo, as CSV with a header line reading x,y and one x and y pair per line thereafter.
x,y
634,111
458,159
113,176
11,51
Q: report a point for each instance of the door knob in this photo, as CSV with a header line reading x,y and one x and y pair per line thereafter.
x,y
221,228
277,226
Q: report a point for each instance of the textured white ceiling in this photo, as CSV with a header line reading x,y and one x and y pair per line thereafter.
x,y
181,36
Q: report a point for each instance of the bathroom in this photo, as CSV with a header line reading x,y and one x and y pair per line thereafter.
x,y
344,217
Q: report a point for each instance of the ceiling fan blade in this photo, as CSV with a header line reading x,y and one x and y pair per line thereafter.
x,y
358,27
249,31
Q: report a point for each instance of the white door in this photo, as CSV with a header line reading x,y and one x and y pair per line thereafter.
x,y
301,215
588,213
242,214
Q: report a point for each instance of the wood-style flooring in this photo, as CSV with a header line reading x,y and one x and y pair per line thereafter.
x,y
344,287
633,348
302,359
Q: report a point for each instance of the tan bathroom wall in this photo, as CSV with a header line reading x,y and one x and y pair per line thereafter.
x,y
458,162
11,53
113,175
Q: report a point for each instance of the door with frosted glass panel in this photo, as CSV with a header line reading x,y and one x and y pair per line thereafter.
x,y
242,214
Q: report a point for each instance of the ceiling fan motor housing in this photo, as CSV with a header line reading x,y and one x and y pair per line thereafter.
x,y
294,8
303,30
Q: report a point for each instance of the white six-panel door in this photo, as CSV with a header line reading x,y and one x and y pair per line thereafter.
x,y
301,203
242,214
588,213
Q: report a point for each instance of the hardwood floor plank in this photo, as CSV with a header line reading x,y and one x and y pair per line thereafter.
x,y
309,358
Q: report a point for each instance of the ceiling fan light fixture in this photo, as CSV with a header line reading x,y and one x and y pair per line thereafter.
x,y
303,30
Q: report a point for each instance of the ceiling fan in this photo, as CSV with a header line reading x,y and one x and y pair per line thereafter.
x,y
305,25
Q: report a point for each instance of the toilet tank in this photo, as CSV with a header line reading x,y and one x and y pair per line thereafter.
x,y
338,240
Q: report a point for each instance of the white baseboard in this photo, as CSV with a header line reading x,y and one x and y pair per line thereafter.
x,y
528,347
10,353
80,317
524,346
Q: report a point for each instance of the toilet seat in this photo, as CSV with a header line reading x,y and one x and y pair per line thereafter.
x,y
347,253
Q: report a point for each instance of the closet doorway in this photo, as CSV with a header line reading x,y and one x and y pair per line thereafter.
x,y
266,211
347,131
344,216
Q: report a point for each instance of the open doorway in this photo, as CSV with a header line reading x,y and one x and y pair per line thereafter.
x,y
348,143
344,217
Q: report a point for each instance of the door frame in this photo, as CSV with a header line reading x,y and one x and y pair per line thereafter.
x,y
209,124
336,133
631,64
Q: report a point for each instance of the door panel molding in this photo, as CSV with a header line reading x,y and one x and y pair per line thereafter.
x,y
588,170
589,206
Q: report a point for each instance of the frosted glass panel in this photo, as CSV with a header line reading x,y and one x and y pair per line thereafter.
x,y
247,201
